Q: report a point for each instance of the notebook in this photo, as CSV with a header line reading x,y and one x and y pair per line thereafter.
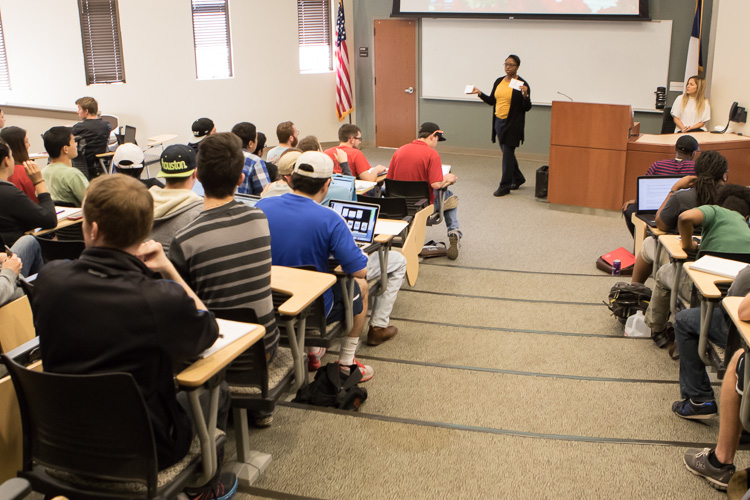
x,y
652,190
718,266
360,217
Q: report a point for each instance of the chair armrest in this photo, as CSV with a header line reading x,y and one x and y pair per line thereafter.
x,y
204,369
25,353
420,204
303,287
706,282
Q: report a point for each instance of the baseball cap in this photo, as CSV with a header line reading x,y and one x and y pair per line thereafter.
x,y
286,162
202,127
128,156
320,162
687,144
430,128
177,161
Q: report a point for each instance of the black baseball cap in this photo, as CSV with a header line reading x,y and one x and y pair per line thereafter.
x,y
202,127
430,128
177,161
687,144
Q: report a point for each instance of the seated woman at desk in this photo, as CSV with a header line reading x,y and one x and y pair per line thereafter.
x,y
18,141
19,214
691,110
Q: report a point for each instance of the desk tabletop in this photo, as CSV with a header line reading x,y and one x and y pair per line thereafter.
x,y
706,282
106,155
731,306
655,230
160,139
60,224
202,370
673,246
701,137
38,156
303,286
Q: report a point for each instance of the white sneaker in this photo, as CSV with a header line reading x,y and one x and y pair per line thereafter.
x,y
367,371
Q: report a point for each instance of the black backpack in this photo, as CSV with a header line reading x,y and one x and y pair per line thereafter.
x,y
328,390
627,298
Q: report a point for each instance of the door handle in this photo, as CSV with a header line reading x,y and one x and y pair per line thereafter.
x,y
410,90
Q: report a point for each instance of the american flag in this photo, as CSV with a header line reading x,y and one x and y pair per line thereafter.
x,y
344,104
694,63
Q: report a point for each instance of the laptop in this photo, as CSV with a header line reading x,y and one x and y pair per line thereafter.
x,y
247,199
652,190
346,182
360,217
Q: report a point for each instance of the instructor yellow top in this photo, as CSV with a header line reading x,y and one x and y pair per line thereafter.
x,y
503,94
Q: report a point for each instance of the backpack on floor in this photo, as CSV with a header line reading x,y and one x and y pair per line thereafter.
x,y
627,298
327,389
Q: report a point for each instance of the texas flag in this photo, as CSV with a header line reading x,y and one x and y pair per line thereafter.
x,y
694,64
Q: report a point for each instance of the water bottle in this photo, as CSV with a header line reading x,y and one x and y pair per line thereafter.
x,y
636,326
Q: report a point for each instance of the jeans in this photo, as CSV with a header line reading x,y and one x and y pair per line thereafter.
x,y
30,253
382,305
451,216
694,381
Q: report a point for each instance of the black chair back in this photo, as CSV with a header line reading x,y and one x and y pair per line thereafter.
x,y
415,193
667,122
251,367
60,249
92,425
390,208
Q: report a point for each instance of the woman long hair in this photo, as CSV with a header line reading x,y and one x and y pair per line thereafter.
x,y
698,95
18,142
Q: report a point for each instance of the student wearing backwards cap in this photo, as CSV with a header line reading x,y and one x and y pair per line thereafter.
x,y
202,128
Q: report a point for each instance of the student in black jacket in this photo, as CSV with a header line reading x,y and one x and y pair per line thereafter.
x,y
18,213
509,107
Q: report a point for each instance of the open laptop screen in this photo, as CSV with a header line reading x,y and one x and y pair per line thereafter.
x,y
360,217
652,190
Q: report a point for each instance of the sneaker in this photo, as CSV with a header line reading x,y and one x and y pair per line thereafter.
x,y
695,411
501,192
455,243
223,489
367,371
697,462
313,358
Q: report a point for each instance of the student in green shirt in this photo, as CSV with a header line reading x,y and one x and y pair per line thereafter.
x,y
65,182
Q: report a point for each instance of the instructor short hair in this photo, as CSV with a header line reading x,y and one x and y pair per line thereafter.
x,y
515,58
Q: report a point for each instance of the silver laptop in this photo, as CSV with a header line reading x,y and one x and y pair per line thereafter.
x,y
360,217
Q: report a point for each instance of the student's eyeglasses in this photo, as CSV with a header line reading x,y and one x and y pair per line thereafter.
x,y
358,138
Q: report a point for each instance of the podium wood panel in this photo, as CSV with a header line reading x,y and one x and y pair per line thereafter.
x,y
586,177
590,125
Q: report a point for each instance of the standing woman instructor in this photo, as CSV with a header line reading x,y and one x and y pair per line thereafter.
x,y
508,119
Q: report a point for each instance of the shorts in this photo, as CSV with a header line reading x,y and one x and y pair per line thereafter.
x,y
338,313
740,387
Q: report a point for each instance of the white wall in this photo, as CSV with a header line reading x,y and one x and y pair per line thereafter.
x,y
730,73
161,94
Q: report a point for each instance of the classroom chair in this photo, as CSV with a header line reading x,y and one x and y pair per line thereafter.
x,y
55,249
417,195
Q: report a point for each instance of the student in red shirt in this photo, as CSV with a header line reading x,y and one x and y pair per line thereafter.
x,y
350,142
418,161
19,145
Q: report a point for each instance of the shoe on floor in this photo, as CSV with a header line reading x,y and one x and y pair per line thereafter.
x,y
516,186
695,411
501,192
367,371
664,337
697,462
450,202
223,489
454,243
263,422
313,358
674,350
376,335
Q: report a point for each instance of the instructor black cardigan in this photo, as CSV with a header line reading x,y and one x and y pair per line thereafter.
x,y
512,131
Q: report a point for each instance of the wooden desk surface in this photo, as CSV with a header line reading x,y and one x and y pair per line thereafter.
x,y
202,370
38,156
701,137
60,224
731,304
303,286
160,139
673,246
706,282
106,155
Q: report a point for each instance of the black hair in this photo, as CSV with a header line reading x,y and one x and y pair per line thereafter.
x,y
4,150
16,139
734,197
307,185
246,131
260,144
515,58
220,163
710,168
55,139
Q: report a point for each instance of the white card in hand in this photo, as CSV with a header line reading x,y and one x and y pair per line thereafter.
x,y
516,84
469,89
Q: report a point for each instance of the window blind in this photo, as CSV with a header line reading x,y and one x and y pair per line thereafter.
x,y
213,51
102,45
314,27
4,76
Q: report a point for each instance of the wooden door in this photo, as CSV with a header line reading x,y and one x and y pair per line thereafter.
x,y
395,53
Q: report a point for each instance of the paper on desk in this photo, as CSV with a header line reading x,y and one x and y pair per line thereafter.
x,y
446,169
469,89
391,227
718,266
360,184
515,84
229,331
65,212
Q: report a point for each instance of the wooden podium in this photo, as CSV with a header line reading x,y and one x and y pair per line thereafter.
x,y
588,153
